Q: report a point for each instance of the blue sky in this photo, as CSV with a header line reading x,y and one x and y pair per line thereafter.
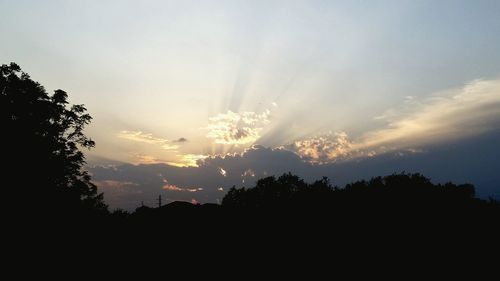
x,y
332,82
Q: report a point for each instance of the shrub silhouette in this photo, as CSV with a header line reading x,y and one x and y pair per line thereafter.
x,y
43,136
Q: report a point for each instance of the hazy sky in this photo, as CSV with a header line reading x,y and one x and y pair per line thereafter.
x,y
328,81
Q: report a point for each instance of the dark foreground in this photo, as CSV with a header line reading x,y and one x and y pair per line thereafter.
x,y
397,206
314,229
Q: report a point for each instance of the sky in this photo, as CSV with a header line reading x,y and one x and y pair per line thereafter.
x,y
192,97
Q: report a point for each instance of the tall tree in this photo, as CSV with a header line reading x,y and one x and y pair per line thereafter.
x,y
42,138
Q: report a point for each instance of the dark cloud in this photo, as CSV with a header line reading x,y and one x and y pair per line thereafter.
x,y
126,185
145,182
181,140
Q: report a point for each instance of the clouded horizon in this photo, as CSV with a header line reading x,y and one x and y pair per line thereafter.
x,y
192,97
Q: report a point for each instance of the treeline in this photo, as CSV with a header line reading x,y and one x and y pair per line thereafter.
x,y
290,197
287,211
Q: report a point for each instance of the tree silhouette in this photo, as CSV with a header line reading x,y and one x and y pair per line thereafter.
x,y
390,195
285,191
42,137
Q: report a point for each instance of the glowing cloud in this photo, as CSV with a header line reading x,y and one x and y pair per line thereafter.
x,y
248,173
444,116
114,184
138,136
222,172
237,128
189,160
324,148
172,187
447,115
146,159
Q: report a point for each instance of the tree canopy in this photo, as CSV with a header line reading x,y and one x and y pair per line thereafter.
x,y
402,191
43,136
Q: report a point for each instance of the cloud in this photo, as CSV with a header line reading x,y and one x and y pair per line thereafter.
x,y
184,160
205,181
189,160
324,148
181,140
248,173
222,172
237,128
445,116
127,185
449,115
138,136
146,159
120,193
172,187
114,184
415,137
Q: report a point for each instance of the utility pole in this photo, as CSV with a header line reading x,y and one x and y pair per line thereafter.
x,y
159,201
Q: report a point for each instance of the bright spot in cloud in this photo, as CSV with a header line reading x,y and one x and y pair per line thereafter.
x,y
172,187
220,189
189,160
222,172
248,173
237,128
146,159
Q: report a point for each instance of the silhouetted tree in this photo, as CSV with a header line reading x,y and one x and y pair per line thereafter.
x,y
386,196
42,137
268,192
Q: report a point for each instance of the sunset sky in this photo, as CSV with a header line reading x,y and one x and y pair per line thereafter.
x,y
192,97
